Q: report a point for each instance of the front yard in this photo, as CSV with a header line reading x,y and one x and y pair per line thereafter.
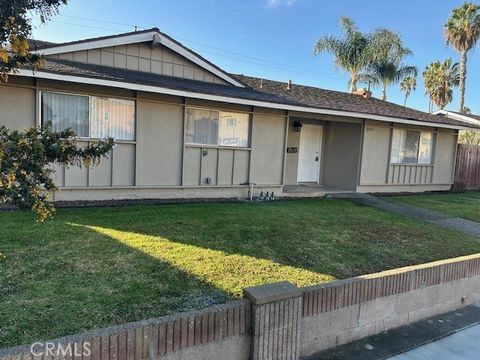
x,y
101,266
464,205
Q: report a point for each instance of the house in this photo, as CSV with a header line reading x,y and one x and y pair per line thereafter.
x,y
468,118
185,128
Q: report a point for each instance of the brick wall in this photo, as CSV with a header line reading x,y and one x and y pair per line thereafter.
x,y
347,310
329,315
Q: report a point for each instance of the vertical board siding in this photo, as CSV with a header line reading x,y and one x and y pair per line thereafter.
x,y
410,174
344,293
467,169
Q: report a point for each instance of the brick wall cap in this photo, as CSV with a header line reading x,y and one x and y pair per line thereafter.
x,y
269,293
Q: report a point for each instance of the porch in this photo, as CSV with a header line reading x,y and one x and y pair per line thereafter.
x,y
322,156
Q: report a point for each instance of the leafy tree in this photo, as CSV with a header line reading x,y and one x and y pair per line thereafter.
x,y
462,31
439,78
25,163
26,157
352,51
408,84
469,137
16,27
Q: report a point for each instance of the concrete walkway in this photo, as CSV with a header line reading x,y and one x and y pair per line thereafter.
x,y
464,344
453,223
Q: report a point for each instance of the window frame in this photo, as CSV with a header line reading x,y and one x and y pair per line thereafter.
x,y
217,146
417,163
40,121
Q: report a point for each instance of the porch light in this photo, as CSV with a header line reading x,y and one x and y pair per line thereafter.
x,y
297,125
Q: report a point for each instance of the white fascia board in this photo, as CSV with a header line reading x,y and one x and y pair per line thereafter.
x,y
227,99
459,117
136,38
100,43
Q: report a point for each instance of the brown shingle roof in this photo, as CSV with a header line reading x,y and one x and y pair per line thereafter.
x,y
335,100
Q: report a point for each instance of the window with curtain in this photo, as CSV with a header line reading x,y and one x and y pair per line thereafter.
x,y
89,116
205,127
411,147
233,129
202,127
112,118
63,111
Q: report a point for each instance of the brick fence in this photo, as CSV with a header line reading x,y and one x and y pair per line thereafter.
x,y
281,321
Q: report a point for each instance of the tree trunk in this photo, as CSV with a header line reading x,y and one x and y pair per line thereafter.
x,y
353,81
405,101
384,93
463,78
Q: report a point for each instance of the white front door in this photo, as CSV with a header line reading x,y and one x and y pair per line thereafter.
x,y
310,153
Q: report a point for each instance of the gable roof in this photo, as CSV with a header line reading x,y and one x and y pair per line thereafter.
x,y
272,94
153,35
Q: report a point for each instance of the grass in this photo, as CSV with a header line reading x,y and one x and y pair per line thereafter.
x,y
101,266
464,205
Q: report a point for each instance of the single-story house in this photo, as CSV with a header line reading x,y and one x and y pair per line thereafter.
x,y
185,128
468,118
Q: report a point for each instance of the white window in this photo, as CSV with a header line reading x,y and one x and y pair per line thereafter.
x,y
89,116
205,127
411,147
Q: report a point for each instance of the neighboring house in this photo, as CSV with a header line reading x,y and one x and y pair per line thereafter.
x,y
187,129
467,118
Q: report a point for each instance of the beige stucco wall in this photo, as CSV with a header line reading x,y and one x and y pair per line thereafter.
x,y
378,175
341,154
445,153
17,107
375,155
291,161
141,57
154,161
159,143
268,147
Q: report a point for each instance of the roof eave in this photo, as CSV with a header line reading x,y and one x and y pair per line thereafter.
x,y
459,117
232,100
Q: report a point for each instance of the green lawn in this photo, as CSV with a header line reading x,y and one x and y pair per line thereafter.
x,y
101,266
465,205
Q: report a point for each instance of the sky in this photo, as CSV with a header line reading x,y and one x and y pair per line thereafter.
x,y
274,39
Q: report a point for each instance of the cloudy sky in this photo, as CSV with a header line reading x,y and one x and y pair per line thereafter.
x,y
273,38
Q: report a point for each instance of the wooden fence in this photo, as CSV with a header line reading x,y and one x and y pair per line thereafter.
x,y
467,169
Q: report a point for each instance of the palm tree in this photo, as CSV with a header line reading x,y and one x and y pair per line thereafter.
x,y
387,68
408,84
352,52
462,31
386,73
439,79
